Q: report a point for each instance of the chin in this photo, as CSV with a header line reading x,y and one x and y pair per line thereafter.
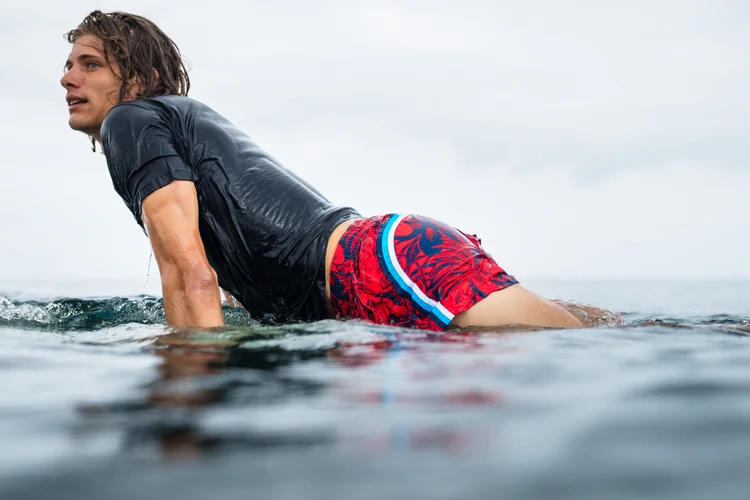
x,y
79,125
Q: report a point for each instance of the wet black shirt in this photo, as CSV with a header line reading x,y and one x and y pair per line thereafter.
x,y
264,229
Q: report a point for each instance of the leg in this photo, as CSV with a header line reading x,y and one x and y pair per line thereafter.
x,y
590,315
515,305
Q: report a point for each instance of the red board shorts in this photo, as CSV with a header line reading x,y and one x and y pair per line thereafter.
x,y
410,271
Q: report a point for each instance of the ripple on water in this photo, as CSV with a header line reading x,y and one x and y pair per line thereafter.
x,y
100,392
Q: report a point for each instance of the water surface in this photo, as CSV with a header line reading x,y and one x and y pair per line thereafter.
x,y
100,400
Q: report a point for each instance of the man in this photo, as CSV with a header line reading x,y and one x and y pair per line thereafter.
x,y
220,212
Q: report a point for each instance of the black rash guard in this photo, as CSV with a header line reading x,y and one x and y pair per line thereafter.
x,y
264,229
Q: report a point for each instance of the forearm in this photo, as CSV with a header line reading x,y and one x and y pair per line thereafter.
x,y
192,300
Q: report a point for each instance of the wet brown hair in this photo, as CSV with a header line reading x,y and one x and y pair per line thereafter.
x,y
142,52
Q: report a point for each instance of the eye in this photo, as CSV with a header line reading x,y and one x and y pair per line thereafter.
x,y
92,65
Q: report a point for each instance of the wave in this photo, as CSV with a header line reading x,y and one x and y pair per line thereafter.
x,y
66,314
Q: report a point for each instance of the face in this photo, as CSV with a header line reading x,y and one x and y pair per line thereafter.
x,y
92,87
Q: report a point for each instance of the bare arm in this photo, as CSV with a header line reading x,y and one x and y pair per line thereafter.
x,y
189,284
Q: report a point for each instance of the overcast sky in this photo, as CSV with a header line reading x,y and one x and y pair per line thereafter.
x,y
578,139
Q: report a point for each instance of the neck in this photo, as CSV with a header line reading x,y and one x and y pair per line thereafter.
x,y
95,139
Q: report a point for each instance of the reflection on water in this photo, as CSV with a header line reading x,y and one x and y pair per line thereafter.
x,y
195,375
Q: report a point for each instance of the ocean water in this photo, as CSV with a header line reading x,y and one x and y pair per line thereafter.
x,y
99,399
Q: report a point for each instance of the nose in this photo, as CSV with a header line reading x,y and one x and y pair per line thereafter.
x,y
70,79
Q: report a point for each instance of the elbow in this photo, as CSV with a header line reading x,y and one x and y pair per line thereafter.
x,y
191,297
203,279
195,278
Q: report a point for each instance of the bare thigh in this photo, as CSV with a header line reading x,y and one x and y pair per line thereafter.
x,y
515,305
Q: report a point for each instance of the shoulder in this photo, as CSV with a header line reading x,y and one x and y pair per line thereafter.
x,y
140,112
135,121
136,132
166,111
129,120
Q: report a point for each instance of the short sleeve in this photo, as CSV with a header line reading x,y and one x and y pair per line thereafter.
x,y
139,145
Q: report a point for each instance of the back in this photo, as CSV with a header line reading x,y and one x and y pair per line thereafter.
x,y
264,229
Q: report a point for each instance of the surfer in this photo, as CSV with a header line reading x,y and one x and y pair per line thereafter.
x,y
222,213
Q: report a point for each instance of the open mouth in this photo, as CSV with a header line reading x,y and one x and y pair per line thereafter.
x,y
76,102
